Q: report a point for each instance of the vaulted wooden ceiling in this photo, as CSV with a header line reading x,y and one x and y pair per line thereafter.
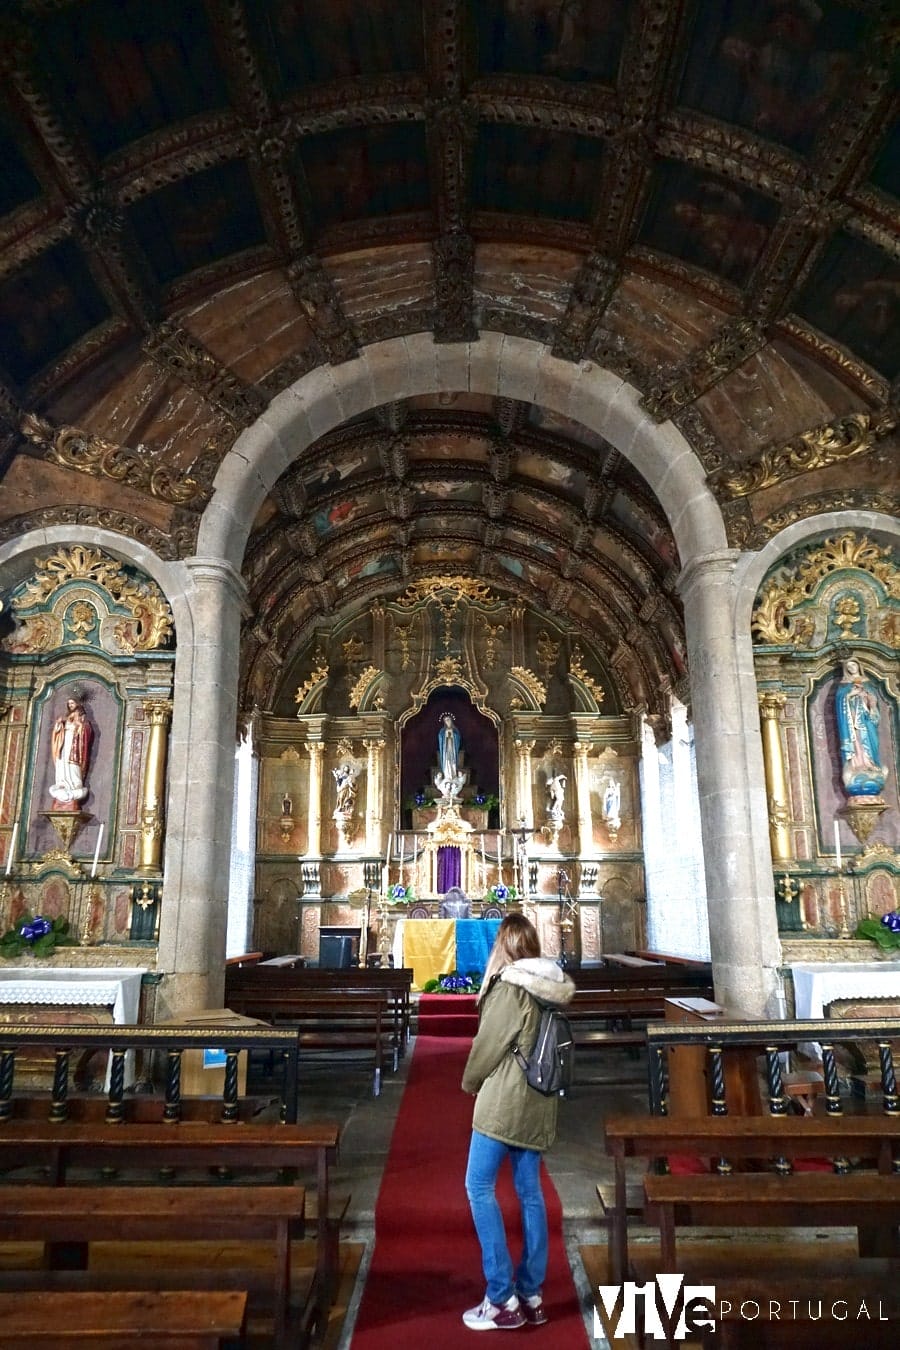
x,y
201,200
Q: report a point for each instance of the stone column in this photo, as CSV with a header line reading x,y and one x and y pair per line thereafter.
x,y
375,841
158,712
316,752
193,915
743,932
771,703
583,797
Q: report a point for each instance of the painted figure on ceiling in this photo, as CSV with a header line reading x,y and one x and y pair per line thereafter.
x,y
70,745
858,716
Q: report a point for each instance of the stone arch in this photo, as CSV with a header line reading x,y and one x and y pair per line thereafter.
x,y
500,364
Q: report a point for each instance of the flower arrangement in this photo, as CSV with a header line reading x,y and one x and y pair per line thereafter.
x,y
401,894
499,894
35,935
454,983
421,800
485,800
884,931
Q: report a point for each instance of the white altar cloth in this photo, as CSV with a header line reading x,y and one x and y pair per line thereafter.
x,y
118,988
820,983
66,986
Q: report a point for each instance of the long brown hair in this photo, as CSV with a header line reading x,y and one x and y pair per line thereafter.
x,y
516,939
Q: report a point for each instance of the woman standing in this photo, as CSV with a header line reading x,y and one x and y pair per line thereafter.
x,y
511,1120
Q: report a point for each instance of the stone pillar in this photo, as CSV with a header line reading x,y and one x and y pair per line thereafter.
x,y
583,798
193,915
771,704
316,752
375,841
743,932
525,805
158,712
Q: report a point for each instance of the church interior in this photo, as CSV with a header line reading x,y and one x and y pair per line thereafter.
x,y
449,466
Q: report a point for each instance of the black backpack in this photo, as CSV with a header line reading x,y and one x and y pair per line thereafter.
x,y
549,1067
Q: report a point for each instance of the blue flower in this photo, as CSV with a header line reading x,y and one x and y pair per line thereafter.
x,y
38,928
398,892
501,892
421,799
480,799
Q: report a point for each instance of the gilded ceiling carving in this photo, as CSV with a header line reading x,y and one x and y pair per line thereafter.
x,y
817,448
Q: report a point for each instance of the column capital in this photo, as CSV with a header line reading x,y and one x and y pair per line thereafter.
x,y
771,702
223,573
712,567
158,711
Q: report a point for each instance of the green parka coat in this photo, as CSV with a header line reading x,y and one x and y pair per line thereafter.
x,y
506,1107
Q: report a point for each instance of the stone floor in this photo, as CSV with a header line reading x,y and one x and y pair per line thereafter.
x,y
607,1081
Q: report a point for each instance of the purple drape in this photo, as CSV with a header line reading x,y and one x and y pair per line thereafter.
x,y
449,867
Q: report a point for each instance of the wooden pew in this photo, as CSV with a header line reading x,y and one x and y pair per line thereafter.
x,y
757,1138
67,1148
334,1021
119,1320
66,1219
868,1202
395,984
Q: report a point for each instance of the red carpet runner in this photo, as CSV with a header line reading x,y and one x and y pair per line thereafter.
x,y
426,1267
447,1015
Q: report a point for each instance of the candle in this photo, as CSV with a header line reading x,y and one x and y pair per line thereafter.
x,y
390,845
12,848
97,850
837,844
482,854
384,880
402,841
500,858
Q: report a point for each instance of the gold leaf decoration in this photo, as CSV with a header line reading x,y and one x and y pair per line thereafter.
x,y
362,685
578,669
774,623
425,588
90,454
832,443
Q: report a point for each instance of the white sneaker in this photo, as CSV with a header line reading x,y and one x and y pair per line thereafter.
x,y
490,1316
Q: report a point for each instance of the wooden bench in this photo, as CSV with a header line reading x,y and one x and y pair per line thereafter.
x,y
74,1151
66,1219
759,1139
865,1201
394,984
335,1022
119,1319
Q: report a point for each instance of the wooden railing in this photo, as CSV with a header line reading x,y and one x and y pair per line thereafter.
x,y
67,1046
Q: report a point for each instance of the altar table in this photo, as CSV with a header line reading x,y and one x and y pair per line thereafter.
x,y
433,947
816,984
64,986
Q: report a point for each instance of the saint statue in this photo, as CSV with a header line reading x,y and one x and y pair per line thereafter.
x,y
556,788
858,716
612,804
345,780
70,746
449,745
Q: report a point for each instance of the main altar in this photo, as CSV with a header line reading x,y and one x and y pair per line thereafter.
x,y
451,739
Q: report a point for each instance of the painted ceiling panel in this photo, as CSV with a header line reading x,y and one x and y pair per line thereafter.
x,y
140,66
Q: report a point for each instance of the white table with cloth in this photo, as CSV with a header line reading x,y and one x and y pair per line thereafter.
x,y
67,987
816,984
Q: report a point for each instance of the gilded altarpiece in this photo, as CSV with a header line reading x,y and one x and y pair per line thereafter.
x,y
826,630
350,793
86,665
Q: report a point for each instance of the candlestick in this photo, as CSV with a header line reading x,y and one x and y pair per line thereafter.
x,y
402,843
837,845
97,849
499,860
12,848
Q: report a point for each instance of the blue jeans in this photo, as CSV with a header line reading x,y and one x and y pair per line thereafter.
x,y
485,1157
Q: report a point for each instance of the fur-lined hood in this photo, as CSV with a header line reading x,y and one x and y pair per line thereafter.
x,y
542,978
